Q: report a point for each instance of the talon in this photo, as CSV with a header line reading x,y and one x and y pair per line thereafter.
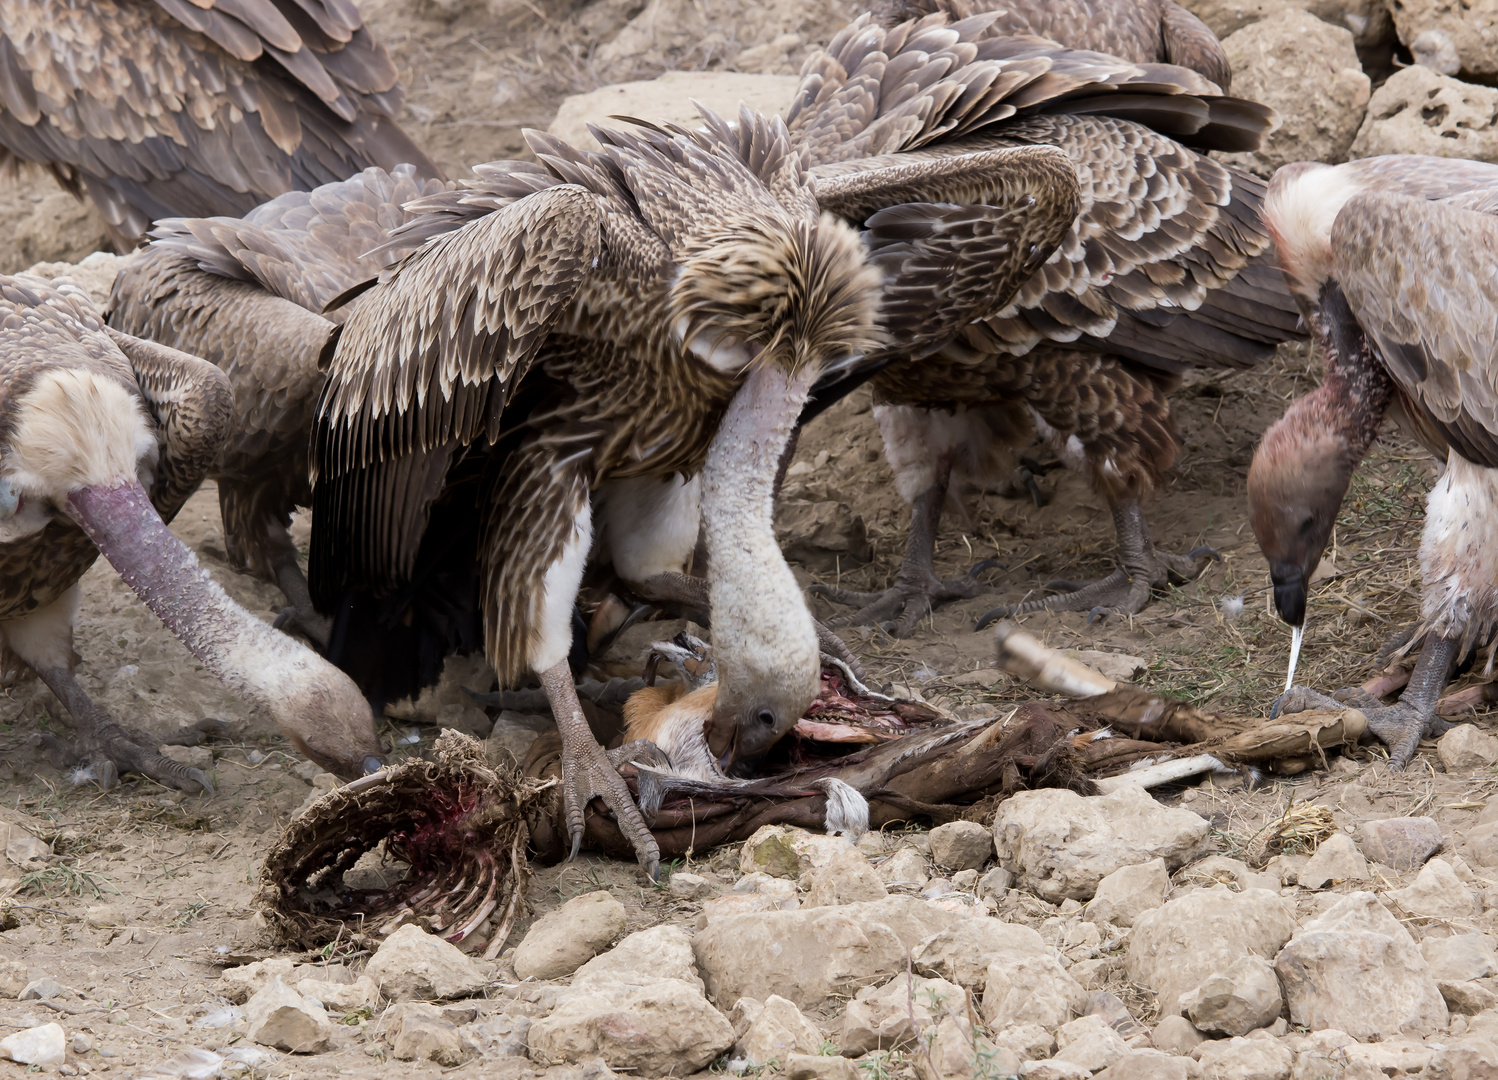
x,y
982,565
284,618
202,778
990,617
1203,550
1098,614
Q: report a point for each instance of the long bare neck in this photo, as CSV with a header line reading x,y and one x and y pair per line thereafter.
x,y
1357,389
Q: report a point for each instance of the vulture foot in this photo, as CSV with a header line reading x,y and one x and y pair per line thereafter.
x,y
312,626
911,598
110,750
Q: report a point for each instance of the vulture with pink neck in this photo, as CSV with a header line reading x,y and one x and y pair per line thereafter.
x,y
1394,261
103,437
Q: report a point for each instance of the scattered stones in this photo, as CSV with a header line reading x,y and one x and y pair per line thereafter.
x,y
1061,845
1029,1042
414,964
1419,111
13,978
1244,1059
1336,860
239,983
342,998
783,851
1236,1001
905,867
995,883
1178,945
421,1033
1470,31
778,1031
962,952
1129,892
498,1036
685,886
279,1016
824,537
1403,843
962,845
1176,1035
895,1015
43,989
44,1045
1308,71
1437,893
1467,746
1466,998
956,1053
1030,989
1357,969
1460,958
1088,1041
819,1067
642,958
1053,1070
1149,1064
847,879
561,941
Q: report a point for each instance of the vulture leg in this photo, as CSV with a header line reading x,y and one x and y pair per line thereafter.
x,y
301,616
106,749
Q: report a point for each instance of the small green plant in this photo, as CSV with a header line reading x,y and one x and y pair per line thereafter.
x,y
828,1048
190,914
357,1017
67,880
877,1065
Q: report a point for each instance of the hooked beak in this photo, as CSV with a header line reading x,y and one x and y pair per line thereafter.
x,y
1289,591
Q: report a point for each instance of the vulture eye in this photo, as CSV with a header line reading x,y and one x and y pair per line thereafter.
x,y
766,717
1306,525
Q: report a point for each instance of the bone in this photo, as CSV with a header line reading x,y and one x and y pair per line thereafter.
x,y
1026,658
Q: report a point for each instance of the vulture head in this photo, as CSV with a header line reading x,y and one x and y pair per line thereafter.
x,y
781,301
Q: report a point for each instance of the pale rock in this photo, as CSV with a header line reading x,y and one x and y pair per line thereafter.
x,y
665,1028
847,879
777,1032
239,983
342,998
419,1032
1244,1059
42,989
561,941
1060,844
1467,746
1097,973
1469,1057
1176,1035
412,963
685,886
811,954
995,883
644,957
818,1067
824,536
722,907
786,852
745,1011
42,1046
1482,843
1392,1057
966,880
80,1043
1368,20
1148,1064
1030,989
1337,859
894,1016
1029,1042
1466,998
104,916
1419,111
905,867
1220,869
1237,1000
1053,1069
1308,71
513,735
279,1016
1436,893
1403,843
498,1036
1176,946
1129,892
954,1052
1460,958
1471,29
1356,968
1319,1055
963,952
13,978
961,845
1088,1041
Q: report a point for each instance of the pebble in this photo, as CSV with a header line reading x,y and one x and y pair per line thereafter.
x,y
561,941
1403,843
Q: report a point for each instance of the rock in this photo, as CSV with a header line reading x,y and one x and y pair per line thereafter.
x,y
1088,1041
1460,958
419,1032
1356,968
809,955
1030,989
1236,1001
685,886
1470,31
561,941
955,1053
894,1016
1468,1058
1219,869
1176,1035
42,989
239,983
342,998
1176,946
279,1016
1129,892
995,883
1308,71
498,1036
1119,667
818,1067
1418,111
824,537
1466,998
847,879
786,852
1060,844
414,964
1403,843
778,1031
644,957
1029,1042
1244,1059
1053,1070
1467,746
42,1046
61,229
13,978
1336,860
961,845
1392,1057
1368,20
663,1028
669,98
1150,1065
1436,893
905,867
1482,843
962,952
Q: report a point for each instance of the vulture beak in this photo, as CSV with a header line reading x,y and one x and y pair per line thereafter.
x,y
1290,584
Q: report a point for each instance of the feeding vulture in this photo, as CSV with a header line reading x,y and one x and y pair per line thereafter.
x,y
159,108
102,439
1166,267
1395,263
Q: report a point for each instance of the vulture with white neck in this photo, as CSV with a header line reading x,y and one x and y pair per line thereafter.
x,y
1166,268
161,108
102,439
587,355
1395,263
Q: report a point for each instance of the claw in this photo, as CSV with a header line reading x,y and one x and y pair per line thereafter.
x,y
202,778
1098,614
1203,550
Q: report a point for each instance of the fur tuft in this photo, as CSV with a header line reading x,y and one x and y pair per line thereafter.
x,y
77,429
1303,200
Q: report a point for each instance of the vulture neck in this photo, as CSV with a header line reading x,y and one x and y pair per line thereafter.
x,y
1357,390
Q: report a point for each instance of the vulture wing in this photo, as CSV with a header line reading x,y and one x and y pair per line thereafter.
x,y
1421,277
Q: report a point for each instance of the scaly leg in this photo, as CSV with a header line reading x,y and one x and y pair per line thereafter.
x,y
301,616
1143,567
586,772
1401,726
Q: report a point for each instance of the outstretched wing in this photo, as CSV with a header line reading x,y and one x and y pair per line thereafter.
x,y
1421,277
196,107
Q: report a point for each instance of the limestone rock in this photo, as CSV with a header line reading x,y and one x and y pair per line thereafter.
x,y
894,1016
1129,892
414,964
809,955
1437,893
239,983
419,1032
962,952
961,845
1418,111
1392,1057
847,879
1357,969
1472,1057
1176,1035
1176,946
59,228
1060,844
786,852
13,978
777,1032
1471,29
955,1052
1460,958
342,998
1307,71
1336,860
279,1016
1029,1042
1467,746
1368,20
1236,1001
1466,998
1088,1041
1244,1059
818,1067
905,867
670,98
42,989
44,1046
498,1036
1149,1064
1054,1069
685,886
561,941
664,1028
1030,989
823,536
644,957
1403,843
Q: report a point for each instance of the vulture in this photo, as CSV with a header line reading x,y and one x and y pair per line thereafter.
x,y
251,295
159,108
586,355
1394,261
1166,267
103,437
